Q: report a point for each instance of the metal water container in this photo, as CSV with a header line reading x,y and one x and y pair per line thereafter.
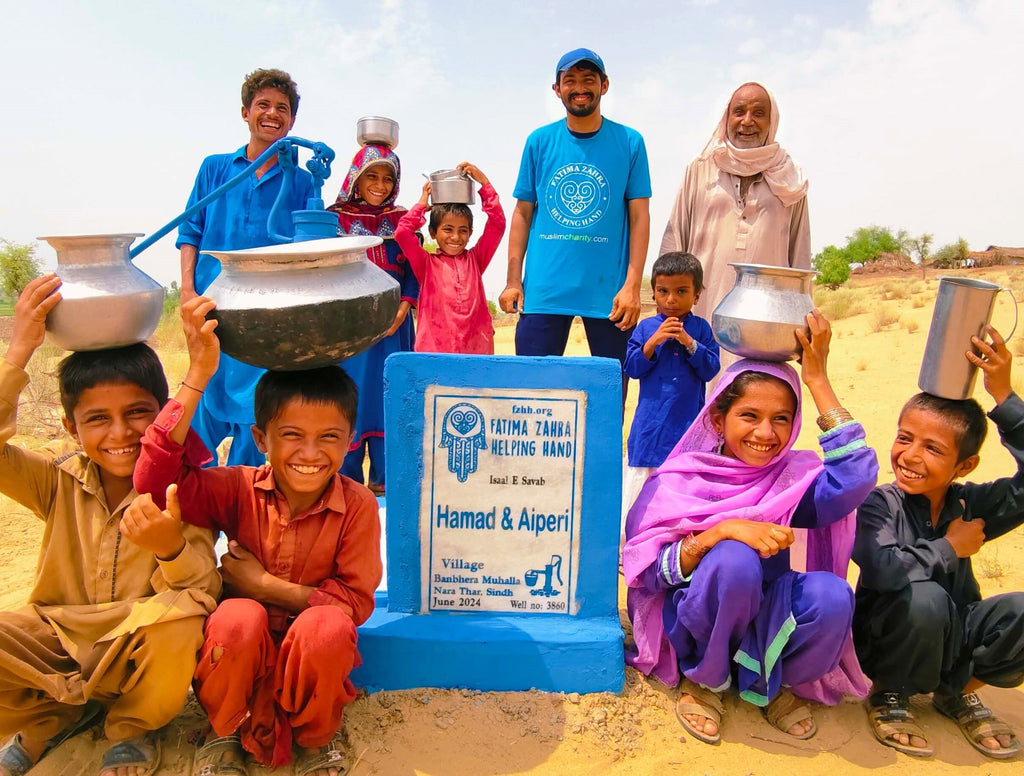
x,y
963,307
302,305
758,317
106,301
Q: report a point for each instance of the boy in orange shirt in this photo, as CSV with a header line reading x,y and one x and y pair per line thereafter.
x,y
302,567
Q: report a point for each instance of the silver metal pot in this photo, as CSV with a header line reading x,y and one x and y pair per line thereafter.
x,y
302,305
451,186
757,318
106,301
377,130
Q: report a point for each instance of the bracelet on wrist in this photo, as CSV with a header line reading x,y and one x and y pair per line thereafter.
x,y
836,416
692,547
183,384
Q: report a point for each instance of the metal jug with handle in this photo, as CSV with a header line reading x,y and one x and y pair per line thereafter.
x,y
963,307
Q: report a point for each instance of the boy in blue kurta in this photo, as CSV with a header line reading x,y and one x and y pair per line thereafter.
x,y
235,221
673,354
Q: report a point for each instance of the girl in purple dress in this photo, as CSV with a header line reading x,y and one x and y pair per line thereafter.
x,y
712,592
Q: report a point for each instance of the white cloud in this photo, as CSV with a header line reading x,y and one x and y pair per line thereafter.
x,y
751,47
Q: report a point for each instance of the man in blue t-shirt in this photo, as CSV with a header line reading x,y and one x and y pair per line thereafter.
x,y
582,220
233,222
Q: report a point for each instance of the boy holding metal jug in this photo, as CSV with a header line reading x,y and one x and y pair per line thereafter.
x,y
921,625
302,565
121,588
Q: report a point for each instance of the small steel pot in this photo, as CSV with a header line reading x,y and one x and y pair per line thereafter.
x,y
451,186
758,317
106,301
377,130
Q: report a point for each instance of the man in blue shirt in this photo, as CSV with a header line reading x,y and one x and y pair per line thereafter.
x,y
582,219
235,221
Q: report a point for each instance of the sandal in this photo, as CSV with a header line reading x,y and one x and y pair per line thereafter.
x,y
976,721
333,755
212,757
17,762
889,715
785,710
142,752
705,703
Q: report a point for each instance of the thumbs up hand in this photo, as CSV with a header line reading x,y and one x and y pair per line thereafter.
x,y
159,531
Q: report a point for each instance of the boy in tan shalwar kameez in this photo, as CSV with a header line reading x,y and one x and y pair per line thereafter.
x,y
121,589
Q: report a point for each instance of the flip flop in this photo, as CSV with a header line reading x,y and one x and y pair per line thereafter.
x,y
706,704
333,755
17,762
209,759
976,721
889,715
142,752
785,710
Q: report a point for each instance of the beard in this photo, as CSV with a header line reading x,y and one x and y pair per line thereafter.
x,y
581,111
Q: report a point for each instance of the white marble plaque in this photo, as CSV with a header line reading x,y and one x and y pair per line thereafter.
x,y
500,505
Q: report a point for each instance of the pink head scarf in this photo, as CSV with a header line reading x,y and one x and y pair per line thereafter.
x,y
697,488
785,179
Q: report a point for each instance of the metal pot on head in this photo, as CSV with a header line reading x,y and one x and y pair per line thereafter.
x,y
106,301
377,130
451,186
758,316
302,305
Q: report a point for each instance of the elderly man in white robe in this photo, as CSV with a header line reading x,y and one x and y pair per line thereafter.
x,y
742,200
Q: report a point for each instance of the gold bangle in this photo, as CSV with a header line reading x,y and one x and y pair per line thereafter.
x,y
836,416
694,548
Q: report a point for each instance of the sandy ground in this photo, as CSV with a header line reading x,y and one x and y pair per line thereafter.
x,y
432,732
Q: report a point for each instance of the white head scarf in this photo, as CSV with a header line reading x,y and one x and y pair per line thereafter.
x,y
785,179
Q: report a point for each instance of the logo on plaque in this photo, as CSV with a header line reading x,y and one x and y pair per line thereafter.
x,y
462,432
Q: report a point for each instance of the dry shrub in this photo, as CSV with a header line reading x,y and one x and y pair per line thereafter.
x,y
987,564
883,316
39,409
840,304
896,291
910,325
918,302
862,364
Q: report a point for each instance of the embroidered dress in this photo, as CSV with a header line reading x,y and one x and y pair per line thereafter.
x,y
357,218
737,614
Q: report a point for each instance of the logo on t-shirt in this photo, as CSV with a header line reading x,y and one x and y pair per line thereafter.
x,y
577,196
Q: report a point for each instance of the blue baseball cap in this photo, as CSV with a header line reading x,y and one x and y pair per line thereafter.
x,y
576,56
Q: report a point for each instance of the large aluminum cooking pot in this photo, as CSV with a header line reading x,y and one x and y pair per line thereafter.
x,y
451,186
758,317
302,305
377,130
106,301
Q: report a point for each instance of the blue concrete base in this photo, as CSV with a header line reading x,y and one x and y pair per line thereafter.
x,y
489,652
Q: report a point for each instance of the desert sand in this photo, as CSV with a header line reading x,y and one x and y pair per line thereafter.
x,y
430,732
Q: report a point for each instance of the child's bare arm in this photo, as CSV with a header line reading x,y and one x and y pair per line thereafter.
x,y
994,362
203,354
474,172
34,304
814,361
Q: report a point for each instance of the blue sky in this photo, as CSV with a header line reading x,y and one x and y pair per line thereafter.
x,y
902,112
